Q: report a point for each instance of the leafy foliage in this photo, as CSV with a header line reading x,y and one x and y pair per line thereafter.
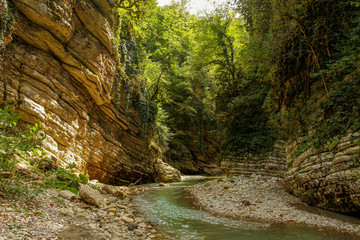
x,y
195,69
178,83
240,94
220,80
67,179
312,65
17,142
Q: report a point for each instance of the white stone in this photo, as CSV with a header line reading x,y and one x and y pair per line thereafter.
x,y
127,219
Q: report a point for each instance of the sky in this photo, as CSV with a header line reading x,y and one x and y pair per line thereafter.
x,y
195,5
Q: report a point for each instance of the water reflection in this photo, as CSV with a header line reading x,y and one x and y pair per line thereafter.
x,y
170,208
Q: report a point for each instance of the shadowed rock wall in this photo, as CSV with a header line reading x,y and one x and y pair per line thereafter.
x,y
59,70
272,164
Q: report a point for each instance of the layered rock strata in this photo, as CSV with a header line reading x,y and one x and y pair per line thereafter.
x,y
271,164
166,173
59,70
328,178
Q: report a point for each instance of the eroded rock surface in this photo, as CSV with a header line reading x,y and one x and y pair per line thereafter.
x,y
166,173
59,70
271,164
91,196
329,177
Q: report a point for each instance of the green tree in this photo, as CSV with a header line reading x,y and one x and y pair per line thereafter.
x,y
312,64
239,91
179,87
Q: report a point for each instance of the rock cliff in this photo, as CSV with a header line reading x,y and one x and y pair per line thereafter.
x,y
271,164
327,177
59,70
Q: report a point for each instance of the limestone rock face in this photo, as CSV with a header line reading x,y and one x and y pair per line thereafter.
x,y
166,173
272,164
328,178
59,70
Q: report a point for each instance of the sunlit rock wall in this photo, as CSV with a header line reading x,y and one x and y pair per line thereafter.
x,y
329,177
59,70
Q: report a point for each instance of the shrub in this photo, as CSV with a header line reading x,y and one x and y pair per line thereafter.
x,y
67,179
16,142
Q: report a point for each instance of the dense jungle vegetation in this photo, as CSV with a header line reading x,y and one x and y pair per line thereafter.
x,y
233,80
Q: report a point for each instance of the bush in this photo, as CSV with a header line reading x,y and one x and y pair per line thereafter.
x,y
66,179
16,142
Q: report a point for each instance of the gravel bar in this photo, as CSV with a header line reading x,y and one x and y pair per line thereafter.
x,y
264,199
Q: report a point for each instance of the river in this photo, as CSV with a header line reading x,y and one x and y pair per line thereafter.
x,y
170,208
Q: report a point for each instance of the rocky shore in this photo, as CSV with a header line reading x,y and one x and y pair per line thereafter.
x,y
263,198
54,214
108,212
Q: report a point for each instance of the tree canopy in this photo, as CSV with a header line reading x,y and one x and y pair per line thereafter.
x,y
230,81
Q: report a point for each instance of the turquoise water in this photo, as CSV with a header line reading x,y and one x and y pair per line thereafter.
x,y
172,211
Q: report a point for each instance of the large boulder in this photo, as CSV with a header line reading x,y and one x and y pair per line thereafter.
x,y
91,196
166,173
67,195
118,191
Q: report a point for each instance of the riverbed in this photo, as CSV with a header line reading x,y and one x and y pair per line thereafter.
x,y
215,216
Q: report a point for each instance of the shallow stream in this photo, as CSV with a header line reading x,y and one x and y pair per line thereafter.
x,y
171,209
